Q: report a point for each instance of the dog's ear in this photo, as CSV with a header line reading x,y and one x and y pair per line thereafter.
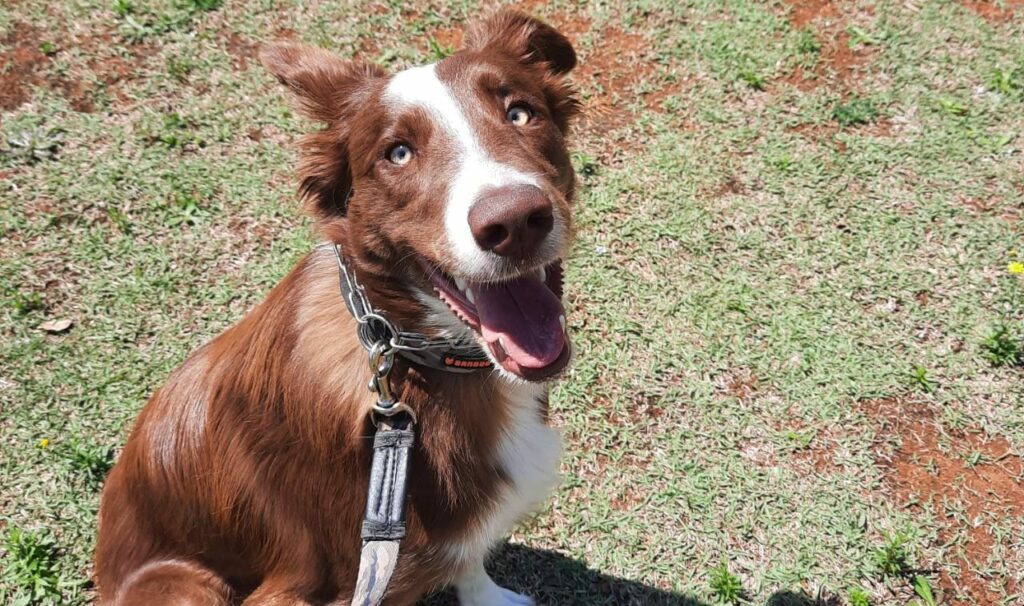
x,y
329,89
525,38
324,84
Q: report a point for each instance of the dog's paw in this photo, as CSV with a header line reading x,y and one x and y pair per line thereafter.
x,y
488,593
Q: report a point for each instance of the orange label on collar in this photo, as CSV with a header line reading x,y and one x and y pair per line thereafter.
x,y
461,363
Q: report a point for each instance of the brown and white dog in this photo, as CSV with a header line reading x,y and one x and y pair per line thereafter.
x,y
245,477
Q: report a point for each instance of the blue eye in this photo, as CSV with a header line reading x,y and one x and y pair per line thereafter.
x,y
519,115
400,154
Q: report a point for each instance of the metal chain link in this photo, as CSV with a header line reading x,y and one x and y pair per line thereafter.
x,y
373,327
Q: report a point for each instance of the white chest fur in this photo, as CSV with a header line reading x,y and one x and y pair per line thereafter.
x,y
529,453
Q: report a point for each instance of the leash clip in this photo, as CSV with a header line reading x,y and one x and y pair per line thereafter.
x,y
382,360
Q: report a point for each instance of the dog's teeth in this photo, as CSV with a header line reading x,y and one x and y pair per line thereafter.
x,y
561,320
469,295
501,341
499,350
460,284
542,274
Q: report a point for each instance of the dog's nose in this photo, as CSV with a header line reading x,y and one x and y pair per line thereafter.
x,y
511,221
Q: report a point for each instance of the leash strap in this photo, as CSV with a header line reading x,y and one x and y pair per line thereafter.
x,y
384,520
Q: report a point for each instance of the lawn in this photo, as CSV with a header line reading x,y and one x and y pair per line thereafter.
x,y
793,293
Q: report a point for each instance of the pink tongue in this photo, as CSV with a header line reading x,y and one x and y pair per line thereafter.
x,y
524,313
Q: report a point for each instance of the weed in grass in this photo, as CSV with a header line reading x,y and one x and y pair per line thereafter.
x,y
32,145
1009,82
859,597
857,110
30,568
799,439
807,42
180,67
1003,348
973,458
89,463
953,107
923,589
726,587
176,132
859,35
752,79
119,219
24,303
187,210
123,8
203,5
891,559
48,48
919,379
783,163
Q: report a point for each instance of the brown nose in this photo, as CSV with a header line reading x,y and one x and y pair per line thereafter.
x,y
511,221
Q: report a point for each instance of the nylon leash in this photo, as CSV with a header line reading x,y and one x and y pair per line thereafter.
x,y
384,517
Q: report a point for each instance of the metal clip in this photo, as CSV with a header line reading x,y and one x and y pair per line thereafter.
x,y
382,360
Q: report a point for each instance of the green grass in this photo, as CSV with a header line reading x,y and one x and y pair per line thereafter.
x,y
756,261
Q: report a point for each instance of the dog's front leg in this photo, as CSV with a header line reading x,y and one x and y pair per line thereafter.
x,y
476,588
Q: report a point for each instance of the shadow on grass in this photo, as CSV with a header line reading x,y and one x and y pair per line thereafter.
x,y
800,598
554,579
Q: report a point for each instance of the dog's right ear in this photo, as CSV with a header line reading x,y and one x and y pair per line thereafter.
x,y
328,89
324,84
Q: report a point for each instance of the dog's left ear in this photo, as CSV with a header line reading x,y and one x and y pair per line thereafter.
x,y
527,39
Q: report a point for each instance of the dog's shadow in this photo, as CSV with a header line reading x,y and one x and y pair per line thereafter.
x,y
551,579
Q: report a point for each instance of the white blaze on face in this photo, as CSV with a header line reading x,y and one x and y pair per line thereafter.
x,y
421,87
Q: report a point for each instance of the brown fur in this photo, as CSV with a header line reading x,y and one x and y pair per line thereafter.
x,y
245,475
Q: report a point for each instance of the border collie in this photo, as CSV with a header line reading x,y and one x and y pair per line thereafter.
x,y
448,188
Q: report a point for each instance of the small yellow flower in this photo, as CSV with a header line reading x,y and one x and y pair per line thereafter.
x,y
44,443
1015,268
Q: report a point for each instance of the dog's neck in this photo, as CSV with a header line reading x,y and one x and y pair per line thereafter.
x,y
325,336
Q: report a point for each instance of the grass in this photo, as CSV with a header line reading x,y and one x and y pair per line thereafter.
x,y
726,587
31,574
763,252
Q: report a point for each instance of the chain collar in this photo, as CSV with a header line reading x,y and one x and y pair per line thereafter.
x,y
377,333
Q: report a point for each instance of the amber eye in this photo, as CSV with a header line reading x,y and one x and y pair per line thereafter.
x,y
400,154
519,115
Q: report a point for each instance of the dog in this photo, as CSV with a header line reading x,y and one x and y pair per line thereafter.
x,y
448,190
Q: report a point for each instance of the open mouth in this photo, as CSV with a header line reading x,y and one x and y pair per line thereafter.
x,y
521,320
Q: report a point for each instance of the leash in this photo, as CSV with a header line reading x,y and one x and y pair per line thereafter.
x,y
384,517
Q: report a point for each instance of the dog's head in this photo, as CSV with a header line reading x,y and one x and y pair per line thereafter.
x,y
460,183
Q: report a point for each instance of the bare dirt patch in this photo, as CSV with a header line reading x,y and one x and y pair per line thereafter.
x,y
21,66
241,50
803,12
967,470
839,63
997,12
24,66
820,453
612,71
